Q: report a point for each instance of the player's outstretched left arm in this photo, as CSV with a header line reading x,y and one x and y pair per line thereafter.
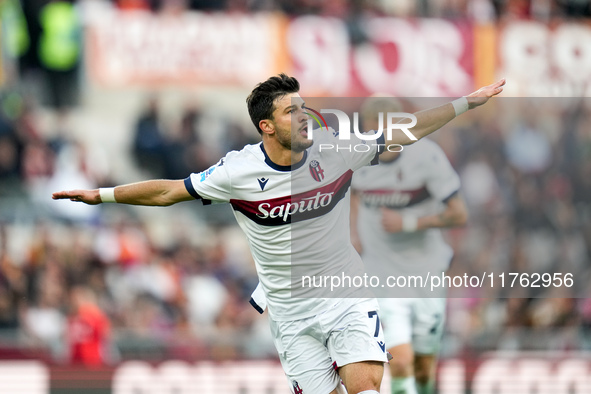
x,y
434,118
160,192
454,215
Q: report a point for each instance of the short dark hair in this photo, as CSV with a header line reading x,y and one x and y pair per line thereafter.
x,y
262,98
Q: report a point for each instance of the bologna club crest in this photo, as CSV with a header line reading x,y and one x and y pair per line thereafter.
x,y
296,388
316,171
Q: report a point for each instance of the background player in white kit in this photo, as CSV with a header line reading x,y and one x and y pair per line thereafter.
x,y
310,334
398,209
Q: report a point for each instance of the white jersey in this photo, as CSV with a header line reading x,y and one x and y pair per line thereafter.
x,y
418,181
296,218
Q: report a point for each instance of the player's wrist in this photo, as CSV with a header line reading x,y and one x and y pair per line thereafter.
x,y
461,105
107,194
410,223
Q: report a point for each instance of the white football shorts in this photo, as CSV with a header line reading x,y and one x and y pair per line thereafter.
x,y
418,321
312,349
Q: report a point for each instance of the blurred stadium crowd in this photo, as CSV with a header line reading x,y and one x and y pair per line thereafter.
x,y
176,283
187,291
525,177
478,9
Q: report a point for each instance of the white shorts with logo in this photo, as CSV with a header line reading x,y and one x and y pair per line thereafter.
x,y
312,349
418,321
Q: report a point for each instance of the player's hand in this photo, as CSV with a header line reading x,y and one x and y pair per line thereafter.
x,y
391,220
91,197
482,95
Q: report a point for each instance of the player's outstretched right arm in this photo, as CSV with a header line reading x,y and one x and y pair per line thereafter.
x,y
433,119
160,192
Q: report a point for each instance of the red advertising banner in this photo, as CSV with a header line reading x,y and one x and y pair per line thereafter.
x,y
423,57
543,60
402,57
410,58
126,48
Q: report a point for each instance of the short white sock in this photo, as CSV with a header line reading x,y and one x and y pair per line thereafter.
x,y
404,385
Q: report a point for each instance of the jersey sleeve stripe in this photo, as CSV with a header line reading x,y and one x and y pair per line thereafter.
x,y
256,306
452,195
193,192
191,189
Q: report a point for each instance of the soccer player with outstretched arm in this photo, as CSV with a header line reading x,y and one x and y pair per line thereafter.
x,y
320,341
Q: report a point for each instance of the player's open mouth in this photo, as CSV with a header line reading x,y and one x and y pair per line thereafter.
x,y
304,130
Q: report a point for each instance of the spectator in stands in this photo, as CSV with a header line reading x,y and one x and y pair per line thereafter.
x,y
88,333
185,152
149,143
